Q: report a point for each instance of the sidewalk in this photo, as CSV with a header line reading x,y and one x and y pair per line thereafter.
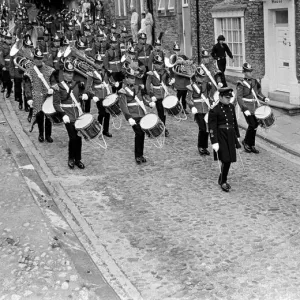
x,y
285,133
40,257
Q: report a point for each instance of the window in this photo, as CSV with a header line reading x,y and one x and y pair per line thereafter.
x,y
282,17
132,4
231,28
185,3
121,8
166,5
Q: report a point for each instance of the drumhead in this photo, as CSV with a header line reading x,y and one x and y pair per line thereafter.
x,y
48,107
84,120
170,101
262,112
109,100
149,121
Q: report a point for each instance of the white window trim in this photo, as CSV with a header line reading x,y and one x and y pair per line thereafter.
x,y
231,71
125,8
159,5
185,4
171,7
119,2
132,4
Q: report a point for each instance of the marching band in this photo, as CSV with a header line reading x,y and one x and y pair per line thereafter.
x,y
66,62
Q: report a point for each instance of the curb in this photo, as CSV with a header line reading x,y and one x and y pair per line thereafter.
x,y
287,149
51,197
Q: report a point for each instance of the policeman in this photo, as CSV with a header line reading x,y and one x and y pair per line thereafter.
x,y
247,91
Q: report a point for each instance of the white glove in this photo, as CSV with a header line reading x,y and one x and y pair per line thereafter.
x,y
142,86
3,69
85,97
30,102
110,71
194,110
116,84
50,92
172,81
153,98
220,84
95,99
267,99
66,119
131,122
216,147
152,104
247,113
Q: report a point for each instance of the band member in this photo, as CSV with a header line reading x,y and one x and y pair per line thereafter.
x,y
5,65
247,91
133,112
36,91
218,52
64,104
101,88
155,89
100,44
125,41
143,50
52,58
156,51
224,134
102,25
181,81
199,102
112,61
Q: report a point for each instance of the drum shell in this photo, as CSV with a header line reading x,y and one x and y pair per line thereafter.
x,y
156,130
91,130
268,119
175,110
114,108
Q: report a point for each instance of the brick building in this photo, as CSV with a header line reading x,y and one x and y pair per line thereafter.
x,y
265,33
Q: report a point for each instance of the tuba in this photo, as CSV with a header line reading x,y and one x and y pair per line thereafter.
x,y
23,63
173,60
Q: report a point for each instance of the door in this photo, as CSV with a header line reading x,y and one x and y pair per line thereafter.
x,y
186,26
283,46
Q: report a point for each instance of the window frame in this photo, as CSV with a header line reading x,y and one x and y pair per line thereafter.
x,y
171,8
118,9
185,3
218,16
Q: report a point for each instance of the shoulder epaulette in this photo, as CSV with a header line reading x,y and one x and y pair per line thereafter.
x,y
150,73
122,91
189,87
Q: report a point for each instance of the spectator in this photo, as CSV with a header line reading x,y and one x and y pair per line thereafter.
x,y
143,23
149,25
134,24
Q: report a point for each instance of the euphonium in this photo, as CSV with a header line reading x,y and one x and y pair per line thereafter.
x,y
173,60
23,63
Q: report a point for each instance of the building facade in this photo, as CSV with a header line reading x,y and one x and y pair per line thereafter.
x,y
265,33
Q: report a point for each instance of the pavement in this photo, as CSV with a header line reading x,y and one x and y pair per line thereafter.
x,y
284,134
40,256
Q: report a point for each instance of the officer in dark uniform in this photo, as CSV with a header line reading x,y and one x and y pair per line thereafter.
x,y
218,52
224,134
246,91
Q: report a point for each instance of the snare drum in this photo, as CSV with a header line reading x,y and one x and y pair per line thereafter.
x,y
50,111
152,125
88,126
172,105
110,103
265,115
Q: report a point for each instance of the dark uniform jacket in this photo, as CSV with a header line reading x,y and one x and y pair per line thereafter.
x,y
151,58
153,83
143,52
112,60
223,128
219,51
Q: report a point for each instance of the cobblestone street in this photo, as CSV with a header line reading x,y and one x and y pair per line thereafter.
x,y
170,229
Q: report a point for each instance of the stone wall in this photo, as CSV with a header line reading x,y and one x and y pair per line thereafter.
x,y
297,15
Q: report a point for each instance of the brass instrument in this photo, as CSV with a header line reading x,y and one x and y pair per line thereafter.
x,y
180,66
173,60
23,63
82,63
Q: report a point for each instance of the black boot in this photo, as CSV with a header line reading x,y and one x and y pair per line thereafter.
x,y
49,139
41,139
246,147
71,163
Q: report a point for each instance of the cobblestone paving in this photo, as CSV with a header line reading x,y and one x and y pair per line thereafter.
x,y
171,229
33,264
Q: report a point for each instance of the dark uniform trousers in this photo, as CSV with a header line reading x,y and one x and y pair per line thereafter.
x,y
86,105
251,130
44,123
75,142
139,138
18,90
160,110
6,81
203,134
103,117
221,62
181,95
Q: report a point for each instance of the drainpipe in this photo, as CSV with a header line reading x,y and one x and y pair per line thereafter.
x,y
198,30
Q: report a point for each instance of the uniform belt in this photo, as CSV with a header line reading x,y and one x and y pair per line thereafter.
x,y
156,86
99,86
221,58
226,126
143,57
68,105
114,62
198,100
132,104
248,100
7,59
